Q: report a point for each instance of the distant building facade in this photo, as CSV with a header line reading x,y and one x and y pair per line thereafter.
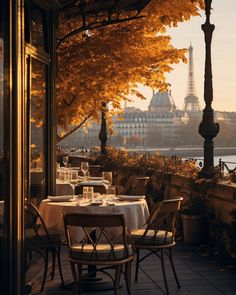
x,y
162,125
158,126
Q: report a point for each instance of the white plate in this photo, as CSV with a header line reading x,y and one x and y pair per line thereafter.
x,y
130,198
96,203
61,198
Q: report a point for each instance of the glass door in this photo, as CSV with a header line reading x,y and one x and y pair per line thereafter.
x,y
36,129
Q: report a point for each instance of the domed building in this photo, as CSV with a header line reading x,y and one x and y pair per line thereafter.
x,y
162,102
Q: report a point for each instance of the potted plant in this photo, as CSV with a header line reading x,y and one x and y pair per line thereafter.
x,y
195,211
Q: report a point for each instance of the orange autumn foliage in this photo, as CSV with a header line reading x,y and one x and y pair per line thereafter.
x,y
106,64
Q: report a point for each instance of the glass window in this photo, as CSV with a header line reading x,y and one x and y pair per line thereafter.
x,y
37,129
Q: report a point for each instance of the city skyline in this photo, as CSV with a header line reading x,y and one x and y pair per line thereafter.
x,y
223,59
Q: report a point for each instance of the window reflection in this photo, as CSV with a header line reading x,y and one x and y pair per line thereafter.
x,y
37,25
37,122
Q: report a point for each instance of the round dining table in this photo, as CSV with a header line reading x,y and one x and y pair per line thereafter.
x,y
136,211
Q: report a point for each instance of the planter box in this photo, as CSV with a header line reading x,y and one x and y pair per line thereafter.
x,y
194,229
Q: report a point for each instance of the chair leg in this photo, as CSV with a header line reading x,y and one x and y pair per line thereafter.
x,y
58,253
79,267
76,283
45,270
117,278
173,267
137,265
128,277
53,263
164,271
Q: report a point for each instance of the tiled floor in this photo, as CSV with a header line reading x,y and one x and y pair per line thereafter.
x,y
198,274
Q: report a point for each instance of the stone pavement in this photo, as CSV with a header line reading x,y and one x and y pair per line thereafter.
x,y
198,275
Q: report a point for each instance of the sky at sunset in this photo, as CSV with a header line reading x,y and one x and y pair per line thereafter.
x,y
223,58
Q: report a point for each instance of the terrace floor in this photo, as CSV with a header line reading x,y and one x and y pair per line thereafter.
x,y
198,274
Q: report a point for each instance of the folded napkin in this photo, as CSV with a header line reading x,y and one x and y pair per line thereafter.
x,y
61,198
130,198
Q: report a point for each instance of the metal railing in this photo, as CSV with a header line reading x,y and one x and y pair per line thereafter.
x,y
224,166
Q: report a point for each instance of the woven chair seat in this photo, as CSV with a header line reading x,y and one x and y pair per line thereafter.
x,y
103,252
42,240
152,237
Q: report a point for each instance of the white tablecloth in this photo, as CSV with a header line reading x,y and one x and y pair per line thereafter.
x,y
135,212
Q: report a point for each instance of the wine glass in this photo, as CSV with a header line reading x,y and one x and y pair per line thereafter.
x,y
65,160
73,180
107,179
84,167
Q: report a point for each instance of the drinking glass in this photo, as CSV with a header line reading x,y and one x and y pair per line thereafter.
x,y
65,160
84,167
73,180
107,179
88,193
63,176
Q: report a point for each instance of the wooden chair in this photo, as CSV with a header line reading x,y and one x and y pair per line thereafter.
x,y
104,250
136,186
158,236
42,240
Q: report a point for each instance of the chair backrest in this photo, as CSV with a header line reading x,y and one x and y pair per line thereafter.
x,y
95,170
164,215
136,186
105,226
34,221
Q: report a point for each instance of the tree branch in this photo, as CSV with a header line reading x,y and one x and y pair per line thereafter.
x,y
72,99
60,138
95,25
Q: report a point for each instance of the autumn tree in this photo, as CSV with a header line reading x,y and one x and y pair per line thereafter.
x,y
106,64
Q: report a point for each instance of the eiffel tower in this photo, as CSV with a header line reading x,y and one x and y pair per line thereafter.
x,y
191,101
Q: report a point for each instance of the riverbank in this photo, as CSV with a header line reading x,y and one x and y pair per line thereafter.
x,y
185,152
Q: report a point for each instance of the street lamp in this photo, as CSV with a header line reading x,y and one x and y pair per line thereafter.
x,y
103,131
207,128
